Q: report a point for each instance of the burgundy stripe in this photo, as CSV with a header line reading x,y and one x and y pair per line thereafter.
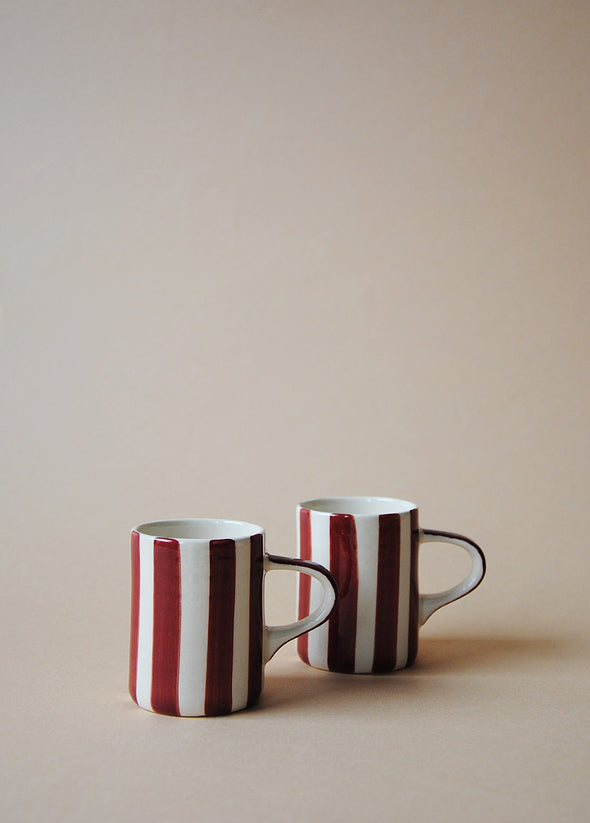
x,y
414,593
387,607
220,641
166,648
304,580
344,567
134,614
255,662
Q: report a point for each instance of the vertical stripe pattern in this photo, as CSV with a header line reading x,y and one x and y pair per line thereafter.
x,y
367,537
134,614
304,530
344,567
403,612
317,644
374,558
414,593
194,614
241,632
255,619
196,624
220,641
387,600
145,635
166,641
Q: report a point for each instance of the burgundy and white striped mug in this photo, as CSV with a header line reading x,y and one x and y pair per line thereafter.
x,y
370,544
198,638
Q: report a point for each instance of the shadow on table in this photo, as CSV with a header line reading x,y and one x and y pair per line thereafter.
x,y
439,660
479,654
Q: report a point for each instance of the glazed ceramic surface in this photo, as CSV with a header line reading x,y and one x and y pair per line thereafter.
x,y
198,638
371,546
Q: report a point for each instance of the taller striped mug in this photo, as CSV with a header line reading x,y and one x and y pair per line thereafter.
x,y
198,638
370,544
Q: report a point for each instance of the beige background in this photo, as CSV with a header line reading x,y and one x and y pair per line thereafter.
x,y
254,252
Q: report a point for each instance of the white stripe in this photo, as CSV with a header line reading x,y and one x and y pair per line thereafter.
x,y
145,635
367,536
403,619
241,626
194,626
320,553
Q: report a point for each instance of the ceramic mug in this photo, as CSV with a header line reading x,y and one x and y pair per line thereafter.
x,y
370,544
198,638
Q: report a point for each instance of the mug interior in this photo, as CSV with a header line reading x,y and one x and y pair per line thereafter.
x,y
359,505
199,528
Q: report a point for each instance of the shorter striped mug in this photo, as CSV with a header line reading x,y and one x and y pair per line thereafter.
x,y
198,638
370,544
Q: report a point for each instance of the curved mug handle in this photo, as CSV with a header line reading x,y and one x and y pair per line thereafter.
x,y
429,603
277,636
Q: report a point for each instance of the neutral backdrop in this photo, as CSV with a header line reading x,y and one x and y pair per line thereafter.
x,y
255,252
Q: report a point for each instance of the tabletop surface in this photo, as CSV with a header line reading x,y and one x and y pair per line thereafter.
x,y
491,723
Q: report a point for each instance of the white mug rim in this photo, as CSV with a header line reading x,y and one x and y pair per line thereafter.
x,y
187,528
363,506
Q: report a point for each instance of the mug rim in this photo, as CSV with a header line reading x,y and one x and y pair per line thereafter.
x,y
184,528
358,506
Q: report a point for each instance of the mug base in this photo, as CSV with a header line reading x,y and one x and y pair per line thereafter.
x,y
169,712
374,671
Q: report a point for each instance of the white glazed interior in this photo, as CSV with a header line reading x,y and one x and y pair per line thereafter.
x,y
199,528
359,506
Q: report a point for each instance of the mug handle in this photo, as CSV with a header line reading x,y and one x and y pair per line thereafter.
x,y
429,603
277,636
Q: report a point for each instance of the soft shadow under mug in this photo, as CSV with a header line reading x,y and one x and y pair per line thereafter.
x,y
198,638
371,545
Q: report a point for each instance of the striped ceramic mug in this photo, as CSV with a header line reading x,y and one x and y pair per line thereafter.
x,y
198,639
370,544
